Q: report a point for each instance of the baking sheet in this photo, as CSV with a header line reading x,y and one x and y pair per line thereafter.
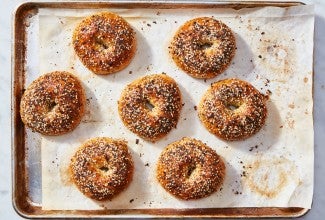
x,y
268,55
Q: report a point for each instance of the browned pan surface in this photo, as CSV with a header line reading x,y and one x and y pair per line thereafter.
x,y
21,196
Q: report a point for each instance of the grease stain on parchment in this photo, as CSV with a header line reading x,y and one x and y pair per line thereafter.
x,y
269,178
290,121
277,54
66,175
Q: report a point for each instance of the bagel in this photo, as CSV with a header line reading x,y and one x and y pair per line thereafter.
x,y
203,47
233,109
189,169
104,42
150,106
102,168
53,104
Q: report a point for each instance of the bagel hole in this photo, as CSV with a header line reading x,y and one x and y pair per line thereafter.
x,y
51,106
102,43
205,45
190,170
103,168
232,107
149,105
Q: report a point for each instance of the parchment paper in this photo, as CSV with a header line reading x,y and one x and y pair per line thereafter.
x,y
274,53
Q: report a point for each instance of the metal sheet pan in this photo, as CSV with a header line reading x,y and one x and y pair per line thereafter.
x,y
23,202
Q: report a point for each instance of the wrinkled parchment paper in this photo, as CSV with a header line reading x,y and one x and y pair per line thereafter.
x,y
274,53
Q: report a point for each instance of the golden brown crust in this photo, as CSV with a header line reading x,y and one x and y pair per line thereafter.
x,y
233,109
102,168
53,104
150,106
189,169
104,42
203,47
